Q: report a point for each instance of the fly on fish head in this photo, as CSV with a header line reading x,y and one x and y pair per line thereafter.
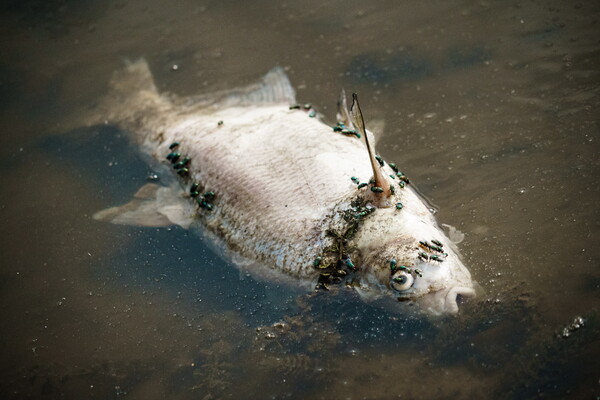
x,y
428,272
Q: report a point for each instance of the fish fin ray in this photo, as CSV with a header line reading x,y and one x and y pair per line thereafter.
x,y
131,90
151,206
359,124
272,88
375,131
343,114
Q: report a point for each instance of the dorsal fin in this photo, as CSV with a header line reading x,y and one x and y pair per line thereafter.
x,y
342,115
273,88
359,124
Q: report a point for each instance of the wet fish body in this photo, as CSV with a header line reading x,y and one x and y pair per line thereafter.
x,y
283,199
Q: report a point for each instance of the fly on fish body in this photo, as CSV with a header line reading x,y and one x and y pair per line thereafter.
x,y
182,163
183,172
437,248
437,242
427,246
402,177
204,204
173,157
350,264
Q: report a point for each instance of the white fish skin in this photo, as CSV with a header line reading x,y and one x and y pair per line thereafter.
x,y
282,185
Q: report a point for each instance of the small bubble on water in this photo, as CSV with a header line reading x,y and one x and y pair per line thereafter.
x,y
270,335
174,67
577,323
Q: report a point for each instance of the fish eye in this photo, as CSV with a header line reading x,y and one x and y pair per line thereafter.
x,y
402,281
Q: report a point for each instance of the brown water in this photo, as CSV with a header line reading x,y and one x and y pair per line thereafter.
x,y
490,107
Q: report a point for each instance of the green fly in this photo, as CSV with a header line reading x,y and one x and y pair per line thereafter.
x,y
173,157
183,172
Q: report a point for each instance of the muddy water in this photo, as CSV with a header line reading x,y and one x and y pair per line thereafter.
x,y
491,109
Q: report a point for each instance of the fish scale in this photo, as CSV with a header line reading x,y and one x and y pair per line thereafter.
x,y
254,194
284,196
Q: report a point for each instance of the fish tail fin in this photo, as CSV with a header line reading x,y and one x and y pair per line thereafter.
x,y
131,90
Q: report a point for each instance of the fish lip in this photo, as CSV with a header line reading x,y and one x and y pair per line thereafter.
x,y
451,299
444,301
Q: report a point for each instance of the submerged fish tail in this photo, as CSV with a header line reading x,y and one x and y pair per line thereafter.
x,y
132,98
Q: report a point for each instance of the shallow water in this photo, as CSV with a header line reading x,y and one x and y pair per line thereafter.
x,y
491,109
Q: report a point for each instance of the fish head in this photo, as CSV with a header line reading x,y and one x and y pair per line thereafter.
x,y
406,269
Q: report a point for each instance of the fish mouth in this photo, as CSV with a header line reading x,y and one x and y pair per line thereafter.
x,y
457,296
447,301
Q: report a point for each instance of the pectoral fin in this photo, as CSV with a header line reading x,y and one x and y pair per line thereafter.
x,y
152,206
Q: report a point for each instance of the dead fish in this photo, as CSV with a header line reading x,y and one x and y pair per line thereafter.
x,y
280,190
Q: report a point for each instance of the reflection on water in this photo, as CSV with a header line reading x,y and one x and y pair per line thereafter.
x,y
490,108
